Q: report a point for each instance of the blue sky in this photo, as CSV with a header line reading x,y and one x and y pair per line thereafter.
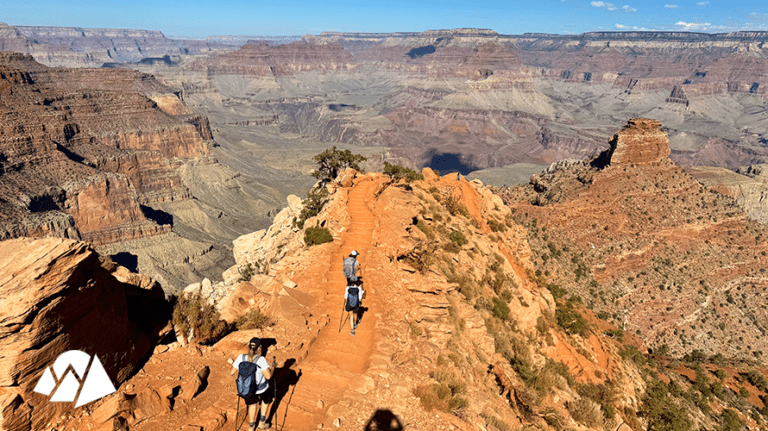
x,y
195,18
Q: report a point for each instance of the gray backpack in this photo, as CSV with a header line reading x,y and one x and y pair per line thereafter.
x,y
349,268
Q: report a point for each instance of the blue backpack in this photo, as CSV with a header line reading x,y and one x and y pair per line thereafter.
x,y
246,378
352,297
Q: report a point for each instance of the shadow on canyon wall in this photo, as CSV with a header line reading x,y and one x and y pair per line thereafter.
x,y
449,162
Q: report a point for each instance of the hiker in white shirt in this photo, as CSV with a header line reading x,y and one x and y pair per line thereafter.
x,y
262,375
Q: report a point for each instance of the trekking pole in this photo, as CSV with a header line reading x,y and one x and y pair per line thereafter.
x,y
341,319
274,383
237,428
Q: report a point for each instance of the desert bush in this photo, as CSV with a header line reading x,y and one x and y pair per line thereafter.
x,y
571,320
446,395
495,422
397,172
757,380
415,329
556,291
331,162
729,421
253,320
313,204
317,235
631,353
454,207
553,419
603,394
458,238
500,308
496,226
586,412
661,412
192,314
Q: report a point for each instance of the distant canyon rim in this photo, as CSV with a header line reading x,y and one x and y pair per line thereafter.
x,y
495,107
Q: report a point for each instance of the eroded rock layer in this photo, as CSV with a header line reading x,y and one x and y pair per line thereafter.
x,y
82,150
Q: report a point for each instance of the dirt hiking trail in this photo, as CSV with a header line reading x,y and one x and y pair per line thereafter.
x,y
336,359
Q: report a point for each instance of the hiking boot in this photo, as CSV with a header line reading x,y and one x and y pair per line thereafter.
x,y
263,426
352,332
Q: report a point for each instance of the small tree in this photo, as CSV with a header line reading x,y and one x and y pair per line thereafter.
x,y
397,172
331,162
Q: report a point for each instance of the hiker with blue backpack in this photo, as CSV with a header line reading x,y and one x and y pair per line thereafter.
x,y
253,384
353,297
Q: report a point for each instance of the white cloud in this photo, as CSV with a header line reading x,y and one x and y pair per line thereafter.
x,y
670,6
606,5
694,25
758,16
702,3
628,8
620,26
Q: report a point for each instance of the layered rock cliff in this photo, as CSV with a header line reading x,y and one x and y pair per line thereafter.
x,y
78,161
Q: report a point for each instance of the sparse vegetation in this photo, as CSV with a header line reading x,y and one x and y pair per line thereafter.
x,y
197,320
253,320
317,235
397,172
331,162
313,204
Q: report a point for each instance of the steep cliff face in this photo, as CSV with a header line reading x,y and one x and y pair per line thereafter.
x,y
57,297
641,141
92,47
68,148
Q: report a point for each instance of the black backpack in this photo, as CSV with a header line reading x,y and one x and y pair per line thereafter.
x,y
349,268
246,378
353,301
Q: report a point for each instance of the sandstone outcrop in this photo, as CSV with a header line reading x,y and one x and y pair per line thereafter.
x,y
641,141
58,296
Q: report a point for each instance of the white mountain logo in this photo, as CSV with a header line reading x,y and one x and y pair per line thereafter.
x,y
75,375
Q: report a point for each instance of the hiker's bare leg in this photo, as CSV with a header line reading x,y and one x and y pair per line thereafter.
x,y
264,408
352,319
252,417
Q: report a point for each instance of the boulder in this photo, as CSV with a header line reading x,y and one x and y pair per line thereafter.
x,y
57,297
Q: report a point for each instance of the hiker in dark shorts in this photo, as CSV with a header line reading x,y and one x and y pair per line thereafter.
x,y
352,269
262,374
353,297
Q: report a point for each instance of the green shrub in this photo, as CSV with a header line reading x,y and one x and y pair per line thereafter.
x,y
500,308
662,413
631,352
317,235
757,380
446,395
571,320
313,204
458,238
193,313
496,226
729,421
331,162
397,172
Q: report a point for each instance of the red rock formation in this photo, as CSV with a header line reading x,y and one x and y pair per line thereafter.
x,y
57,297
264,60
641,141
93,154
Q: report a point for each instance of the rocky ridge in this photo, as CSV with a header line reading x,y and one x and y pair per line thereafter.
x,y
676,260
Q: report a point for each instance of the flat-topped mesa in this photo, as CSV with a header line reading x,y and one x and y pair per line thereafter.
x,y
641,141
